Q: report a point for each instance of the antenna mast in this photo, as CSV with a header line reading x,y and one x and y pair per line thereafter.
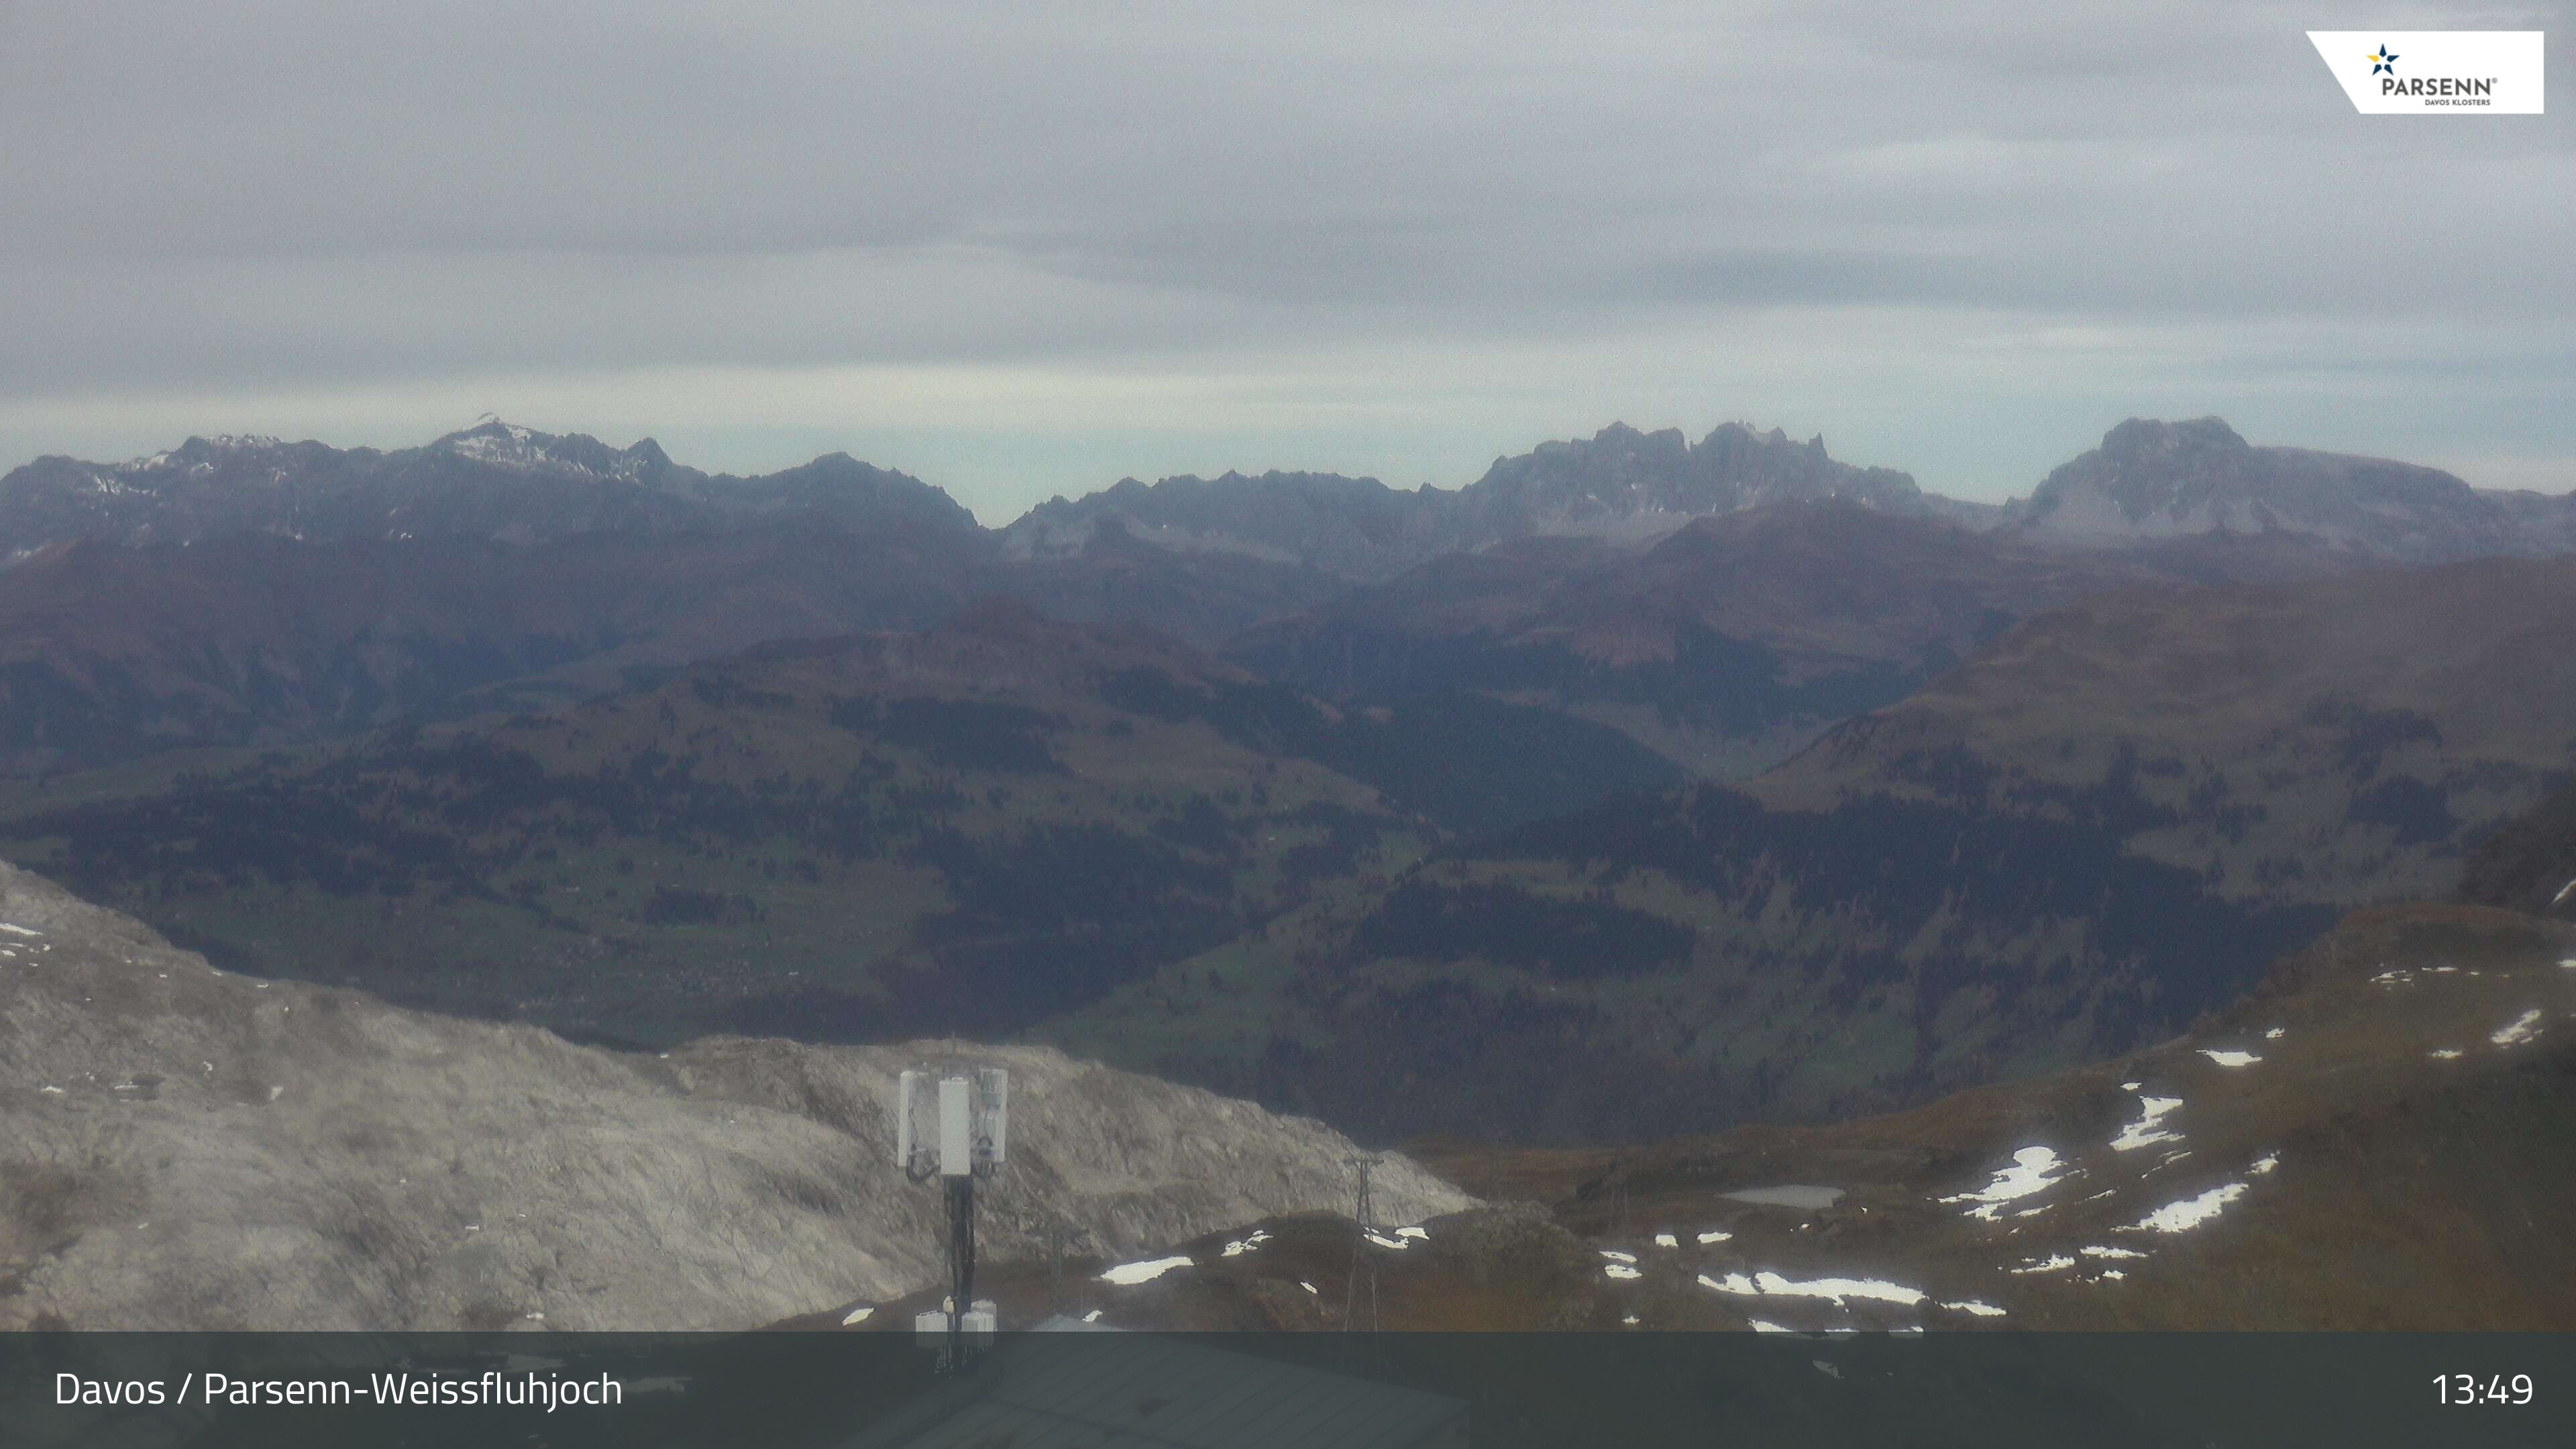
x,y
1360,1215
955,1128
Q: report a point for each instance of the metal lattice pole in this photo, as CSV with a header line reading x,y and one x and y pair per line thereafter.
x,y
1360,1215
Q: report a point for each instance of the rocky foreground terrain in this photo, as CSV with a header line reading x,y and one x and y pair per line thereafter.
x,y
183,1148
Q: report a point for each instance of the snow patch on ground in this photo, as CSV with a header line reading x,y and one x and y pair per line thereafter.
x,y
1714,1235
2176,1217
2521,1029
1145,1271
1615,1256
2230,1058
2034,1169
2265,1163
15,930
1667,1240
2053,1263
1975,1309
2444,1054
858,1315
1833,1290
1838,1289
2276,1033
1620,1271
2144,1132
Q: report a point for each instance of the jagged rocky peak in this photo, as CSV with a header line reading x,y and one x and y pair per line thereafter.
x,y
1625,483
2149,466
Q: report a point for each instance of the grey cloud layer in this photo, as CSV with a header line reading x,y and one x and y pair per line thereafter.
x,y
300,191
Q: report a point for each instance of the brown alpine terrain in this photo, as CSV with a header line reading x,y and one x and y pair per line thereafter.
x,y
2381,1136
2106,822
2333,742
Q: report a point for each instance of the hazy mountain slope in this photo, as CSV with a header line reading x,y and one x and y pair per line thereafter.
x,y
2530,864
2106,821
108,653
186,1149
2340,741
1349,528
2152,480
963,830
1725,645
494,481
1690,961
2382,1137
1204,596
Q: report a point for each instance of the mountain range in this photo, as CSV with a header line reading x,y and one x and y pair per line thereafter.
x,y
2148,481
1759,784
1933,857
1719,602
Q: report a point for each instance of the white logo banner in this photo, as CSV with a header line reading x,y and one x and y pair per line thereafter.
x,y
2435,72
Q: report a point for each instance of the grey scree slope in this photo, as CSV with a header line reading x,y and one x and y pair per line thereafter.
x,y
189,1149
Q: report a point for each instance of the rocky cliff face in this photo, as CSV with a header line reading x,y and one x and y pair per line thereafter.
x,y
2153,480
183,1148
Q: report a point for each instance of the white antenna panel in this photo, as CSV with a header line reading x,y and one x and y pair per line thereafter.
x,y
907,1097
992,1114
951,1126
956,1127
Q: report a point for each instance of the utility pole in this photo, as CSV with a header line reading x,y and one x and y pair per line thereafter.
x,y
1361,1212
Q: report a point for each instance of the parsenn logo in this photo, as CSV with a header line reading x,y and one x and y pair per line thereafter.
x,y
2448,72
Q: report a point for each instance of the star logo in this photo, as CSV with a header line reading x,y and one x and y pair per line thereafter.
x,y
2382,61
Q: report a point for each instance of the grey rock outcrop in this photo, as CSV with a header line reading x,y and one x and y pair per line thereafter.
x,y
185,1148
2153,480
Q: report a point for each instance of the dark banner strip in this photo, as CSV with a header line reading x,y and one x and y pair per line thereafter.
x,y
1309,1391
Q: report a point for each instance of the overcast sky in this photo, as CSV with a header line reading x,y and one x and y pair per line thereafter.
x,y
1025,248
